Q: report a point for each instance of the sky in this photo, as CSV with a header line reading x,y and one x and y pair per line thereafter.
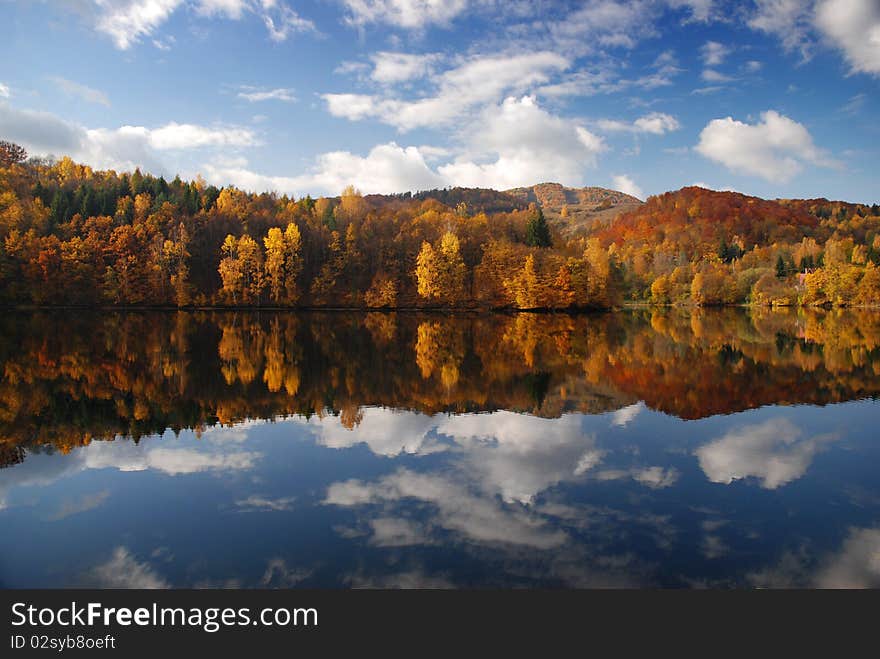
x,y
776,98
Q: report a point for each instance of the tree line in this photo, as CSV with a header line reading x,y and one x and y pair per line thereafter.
x,y
70,235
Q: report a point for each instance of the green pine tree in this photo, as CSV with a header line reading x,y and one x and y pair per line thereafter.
x,y
781,269
537,231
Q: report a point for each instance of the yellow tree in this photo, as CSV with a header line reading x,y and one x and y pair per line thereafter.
x,y
660,290
274,263
175,254
325,282
283,263
428,272
869,287
441,271
599,279
712,285
452,268
563,287
352,205
142,204
293,263
382,292
230,269
251,257
524,287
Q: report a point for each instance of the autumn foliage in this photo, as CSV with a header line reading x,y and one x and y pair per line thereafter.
x,y
70,235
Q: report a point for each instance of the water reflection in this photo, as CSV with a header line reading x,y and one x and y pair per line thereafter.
x,y
380,450
774,452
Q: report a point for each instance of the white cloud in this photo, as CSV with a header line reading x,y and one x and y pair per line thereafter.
x,y
655,123
406,580
478,518
625,415
355,107
656,477
776,148
787,19
124,455
127,22
123,570
476,82
396,532
173,462
281,21
713,53
399,67
41,132
625,184
855,104
584,83
524,144
123,148
608,23
711,75
653,477
386,432
229,8
514,456
235,172
279,575
774,452
410,14
703,184
76,506
4,91
257,95
512,144
504,454
81,91
856,565
495,491
605,79
387,168
430,152
701,11
256,503
192,136
518,456
854,27
237,433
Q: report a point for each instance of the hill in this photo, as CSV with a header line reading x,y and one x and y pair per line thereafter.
x,y
693,216
570,211
576,211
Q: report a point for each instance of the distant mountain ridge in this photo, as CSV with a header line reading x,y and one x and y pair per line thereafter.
x,y
694,215
574,211
571,211
555,196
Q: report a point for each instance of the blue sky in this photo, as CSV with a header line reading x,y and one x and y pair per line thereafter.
x,y
777,98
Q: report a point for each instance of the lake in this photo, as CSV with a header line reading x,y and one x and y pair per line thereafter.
x,y
644,448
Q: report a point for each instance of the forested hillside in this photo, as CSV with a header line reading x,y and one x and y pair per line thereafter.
x,y
70,235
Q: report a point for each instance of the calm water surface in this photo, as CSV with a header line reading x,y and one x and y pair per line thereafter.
x,y
637,449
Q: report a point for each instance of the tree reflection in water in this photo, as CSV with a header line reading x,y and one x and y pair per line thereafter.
x,y
70,378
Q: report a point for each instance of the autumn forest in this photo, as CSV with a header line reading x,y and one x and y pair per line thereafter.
x,y
70,235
